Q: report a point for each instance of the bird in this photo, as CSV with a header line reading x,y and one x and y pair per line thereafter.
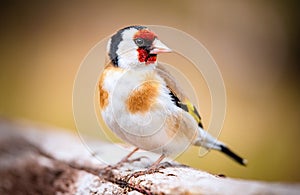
x,y
143,104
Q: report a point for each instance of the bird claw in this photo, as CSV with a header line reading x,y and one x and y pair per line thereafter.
x,y
133,160
123,161
150,170
109,168
164,165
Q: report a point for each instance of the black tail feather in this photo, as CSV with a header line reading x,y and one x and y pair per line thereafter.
x,y
234,156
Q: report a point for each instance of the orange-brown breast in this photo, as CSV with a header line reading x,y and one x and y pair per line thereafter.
x,y
103,98
141,99
103,93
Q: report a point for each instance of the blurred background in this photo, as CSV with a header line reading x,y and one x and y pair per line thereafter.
x,y
255,44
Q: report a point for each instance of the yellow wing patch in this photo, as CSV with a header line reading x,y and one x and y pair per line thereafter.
x,y
191,109
187,106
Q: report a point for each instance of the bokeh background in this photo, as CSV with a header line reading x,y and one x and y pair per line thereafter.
x,y
255,44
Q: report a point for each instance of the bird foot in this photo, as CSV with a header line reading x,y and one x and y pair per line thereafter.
x,y
165,165
123,161
144,172
150,170
110,168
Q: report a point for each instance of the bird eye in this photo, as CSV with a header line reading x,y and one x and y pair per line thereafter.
x,y
139,42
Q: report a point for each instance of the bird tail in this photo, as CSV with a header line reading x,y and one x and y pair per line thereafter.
x,y
209,142
233,155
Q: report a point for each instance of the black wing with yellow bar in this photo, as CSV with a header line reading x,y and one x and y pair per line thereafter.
x,y
188,107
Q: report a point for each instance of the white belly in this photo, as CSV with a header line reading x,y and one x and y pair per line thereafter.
x,y
156,130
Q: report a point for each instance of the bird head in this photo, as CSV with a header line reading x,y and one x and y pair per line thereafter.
x,y
135,47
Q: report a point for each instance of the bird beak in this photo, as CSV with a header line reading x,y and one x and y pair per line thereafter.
x,y
159,47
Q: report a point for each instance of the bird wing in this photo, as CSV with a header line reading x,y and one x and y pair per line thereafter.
x,y
177,95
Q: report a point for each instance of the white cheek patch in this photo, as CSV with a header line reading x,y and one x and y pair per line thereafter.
x,y
128,59
127,50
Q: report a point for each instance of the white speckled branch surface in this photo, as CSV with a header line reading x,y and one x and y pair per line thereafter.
x,y
39,160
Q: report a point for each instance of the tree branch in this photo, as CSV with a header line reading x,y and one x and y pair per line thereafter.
x,y
36,160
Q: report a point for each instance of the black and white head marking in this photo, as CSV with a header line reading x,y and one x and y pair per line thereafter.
x,y
113,43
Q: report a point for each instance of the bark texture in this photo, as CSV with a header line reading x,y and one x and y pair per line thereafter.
x,y
39,160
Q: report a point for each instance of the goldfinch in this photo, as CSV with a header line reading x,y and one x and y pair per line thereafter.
x,y
142,103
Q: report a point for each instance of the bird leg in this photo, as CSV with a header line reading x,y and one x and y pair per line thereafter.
x,y
124,160
156,163
152,169
109,168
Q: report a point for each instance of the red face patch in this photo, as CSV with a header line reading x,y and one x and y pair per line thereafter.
x,y
144,56
145,34
144,53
